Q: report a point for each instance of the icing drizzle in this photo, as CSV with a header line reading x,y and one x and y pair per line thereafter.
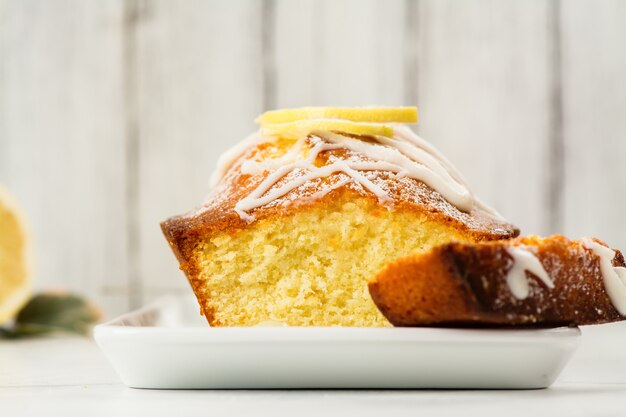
x,y
524,261
228,158
406,155
614,276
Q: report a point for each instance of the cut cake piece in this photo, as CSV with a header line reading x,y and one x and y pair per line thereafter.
x,y
525,281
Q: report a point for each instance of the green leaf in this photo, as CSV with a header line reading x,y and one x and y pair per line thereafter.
x,y
7,333
54,312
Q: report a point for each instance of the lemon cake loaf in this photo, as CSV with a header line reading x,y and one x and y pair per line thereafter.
x,y
304,212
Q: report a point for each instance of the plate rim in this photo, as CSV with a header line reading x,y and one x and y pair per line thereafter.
x,y
141,354
116,328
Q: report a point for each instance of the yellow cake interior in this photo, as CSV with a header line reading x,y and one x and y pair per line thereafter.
x,y
310,268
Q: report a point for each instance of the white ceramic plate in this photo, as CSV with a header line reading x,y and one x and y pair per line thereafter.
x,y
168,345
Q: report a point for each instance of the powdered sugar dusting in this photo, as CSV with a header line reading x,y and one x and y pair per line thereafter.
x,y
576,292
614,276
402,157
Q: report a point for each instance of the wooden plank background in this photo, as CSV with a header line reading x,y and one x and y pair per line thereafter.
x,y
113,113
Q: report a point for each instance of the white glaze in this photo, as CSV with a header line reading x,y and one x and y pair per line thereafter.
x,y
406,155
407,134
228,158
614,277
524,261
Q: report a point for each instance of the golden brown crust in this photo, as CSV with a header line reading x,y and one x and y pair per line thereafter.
x,y
465,284
407,194
217,215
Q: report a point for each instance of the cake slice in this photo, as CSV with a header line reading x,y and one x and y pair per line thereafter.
x,y
523,281
304,212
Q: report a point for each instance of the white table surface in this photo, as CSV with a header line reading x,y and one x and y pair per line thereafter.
x,y
68,376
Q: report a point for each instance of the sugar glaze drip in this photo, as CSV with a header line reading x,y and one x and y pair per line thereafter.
x,y
228,158
406,156
408,135
524,261
266,192
614,277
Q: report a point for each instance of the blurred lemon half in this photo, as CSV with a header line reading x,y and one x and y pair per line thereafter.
x,y
15,284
